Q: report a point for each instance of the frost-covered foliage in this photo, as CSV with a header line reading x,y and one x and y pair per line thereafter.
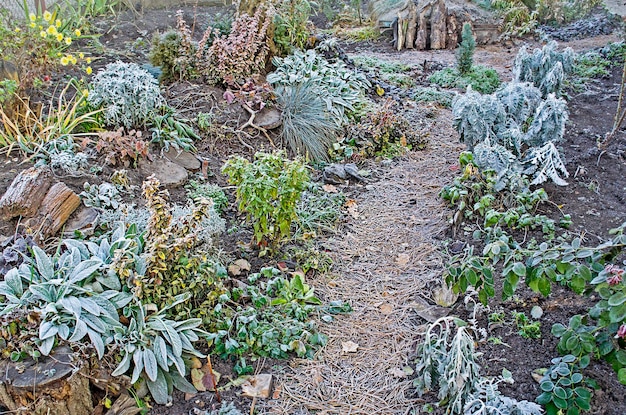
x,y
129,95
514,132
545,68
103,196
487,400
341,88
63,155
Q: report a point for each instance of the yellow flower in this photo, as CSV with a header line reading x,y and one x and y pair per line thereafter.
x,y
81,55
72,59
64,61
32,24
17,29
42,34
32,17
88,60
77,32
88,70
47,16
52,30
68,40
40,27
59,37
58,23
85,93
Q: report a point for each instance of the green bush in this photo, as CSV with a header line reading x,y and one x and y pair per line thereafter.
x,y
465,52
268,190
291,25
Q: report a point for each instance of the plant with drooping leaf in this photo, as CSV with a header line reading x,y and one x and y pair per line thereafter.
x,y
545,68
158,348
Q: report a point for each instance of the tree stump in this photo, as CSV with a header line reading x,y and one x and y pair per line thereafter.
x,y
412,26
55,385
454,30
421,39
26,192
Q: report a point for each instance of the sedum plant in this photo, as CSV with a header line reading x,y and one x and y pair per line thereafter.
x,y
268,190
157,348
129,95
341,88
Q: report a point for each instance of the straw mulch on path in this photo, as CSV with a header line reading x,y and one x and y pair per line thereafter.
x,y
386,260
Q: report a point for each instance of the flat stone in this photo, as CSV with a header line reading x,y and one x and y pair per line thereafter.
x,y
47,370
167,173
183,158
268,118
84,221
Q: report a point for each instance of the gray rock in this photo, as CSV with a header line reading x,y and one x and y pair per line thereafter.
x,y
268,118
85,220
167,173
183,158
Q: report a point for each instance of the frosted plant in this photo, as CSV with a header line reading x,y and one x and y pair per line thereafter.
x,y
129,95
545,163
548,123
486,399
545,68
493,156
519,100
477,117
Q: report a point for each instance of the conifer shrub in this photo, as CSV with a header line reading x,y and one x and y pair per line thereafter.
x,y
465,53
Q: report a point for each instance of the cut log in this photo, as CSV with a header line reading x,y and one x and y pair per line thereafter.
x,y
421,39
454,32
411,32
438,32
402,28
54,385
57,206
26,192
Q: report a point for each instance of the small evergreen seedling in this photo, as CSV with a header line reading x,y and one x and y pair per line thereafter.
x,y
465,53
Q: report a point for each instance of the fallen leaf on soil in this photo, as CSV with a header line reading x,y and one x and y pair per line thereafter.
x,y
243,264
195,362
444,296
258,386
329,188
386,309
397,372
349,347
403,259
536,312
277,392
202,379
234,270
353,208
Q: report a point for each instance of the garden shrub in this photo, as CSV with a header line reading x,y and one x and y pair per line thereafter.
x,y
242,54
129,95
307,128
465,52
341,88
268,190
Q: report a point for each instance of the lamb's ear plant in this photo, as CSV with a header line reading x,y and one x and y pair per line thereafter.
x,y
157,348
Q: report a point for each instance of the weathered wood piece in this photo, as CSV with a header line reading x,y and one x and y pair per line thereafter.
x,y
54,385
57,206
26,192
438,32
411,32
402,28
421,39
124,405
454,31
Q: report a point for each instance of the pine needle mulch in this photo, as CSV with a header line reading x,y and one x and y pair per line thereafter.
x,y
386,260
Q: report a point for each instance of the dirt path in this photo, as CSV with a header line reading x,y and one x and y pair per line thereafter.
x,y
383,266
